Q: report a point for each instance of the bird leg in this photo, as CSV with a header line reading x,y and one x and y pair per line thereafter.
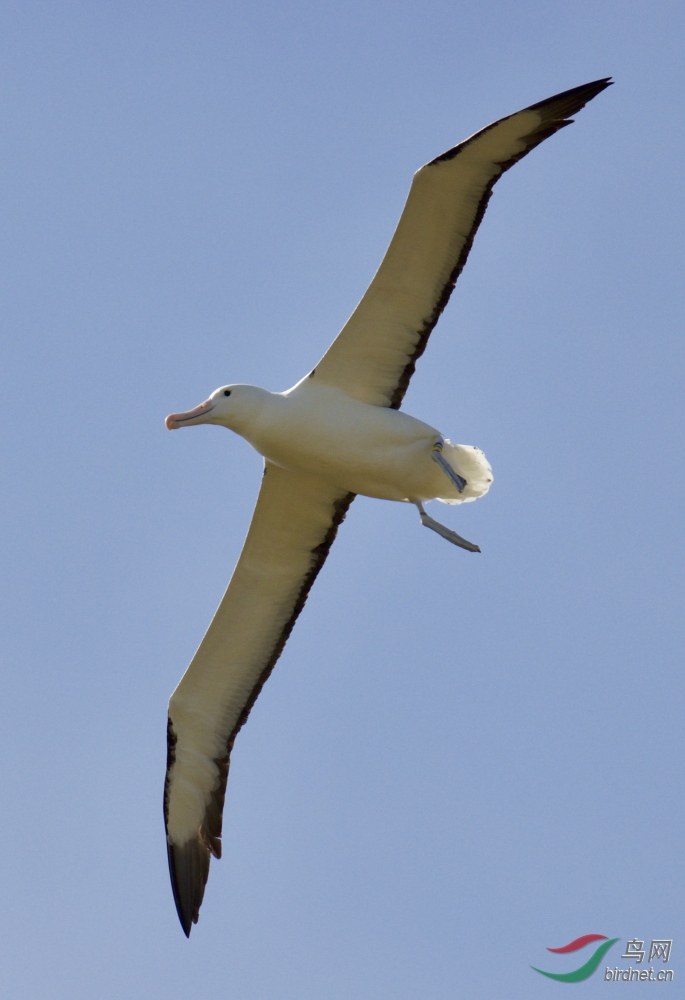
x,y
453,476
428,522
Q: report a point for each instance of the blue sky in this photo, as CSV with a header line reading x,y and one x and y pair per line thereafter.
x,y
460,760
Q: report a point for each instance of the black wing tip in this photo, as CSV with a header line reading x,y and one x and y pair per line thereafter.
x,y
189,870
569,102
189,863
558,108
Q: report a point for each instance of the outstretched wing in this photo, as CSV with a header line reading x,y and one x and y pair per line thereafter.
x,y
293,527
374,356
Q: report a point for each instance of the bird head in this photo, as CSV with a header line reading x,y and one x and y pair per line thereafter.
x,y
231,405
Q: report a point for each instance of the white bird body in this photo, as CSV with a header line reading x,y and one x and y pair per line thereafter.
x,y
320,431
338,432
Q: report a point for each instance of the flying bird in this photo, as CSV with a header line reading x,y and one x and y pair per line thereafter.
x,y
338,432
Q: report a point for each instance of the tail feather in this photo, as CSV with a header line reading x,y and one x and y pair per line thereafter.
x,y
473,466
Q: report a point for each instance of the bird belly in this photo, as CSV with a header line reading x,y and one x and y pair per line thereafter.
x,y
364,449
387,474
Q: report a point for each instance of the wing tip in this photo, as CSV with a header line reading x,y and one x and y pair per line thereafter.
x,y
189,862
189,870
557,108
570,102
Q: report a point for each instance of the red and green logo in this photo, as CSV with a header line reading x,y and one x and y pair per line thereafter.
x,y
585,971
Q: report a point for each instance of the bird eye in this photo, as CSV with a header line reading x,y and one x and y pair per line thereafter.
x,y
227,392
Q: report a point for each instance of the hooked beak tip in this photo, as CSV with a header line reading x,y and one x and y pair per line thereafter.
x,y
170,422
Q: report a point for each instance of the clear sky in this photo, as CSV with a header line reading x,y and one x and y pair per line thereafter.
x,y
459,760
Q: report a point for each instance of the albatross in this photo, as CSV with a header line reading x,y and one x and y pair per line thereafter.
x,y
337,433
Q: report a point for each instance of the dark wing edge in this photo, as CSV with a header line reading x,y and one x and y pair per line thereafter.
x,y
555,116
189,864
